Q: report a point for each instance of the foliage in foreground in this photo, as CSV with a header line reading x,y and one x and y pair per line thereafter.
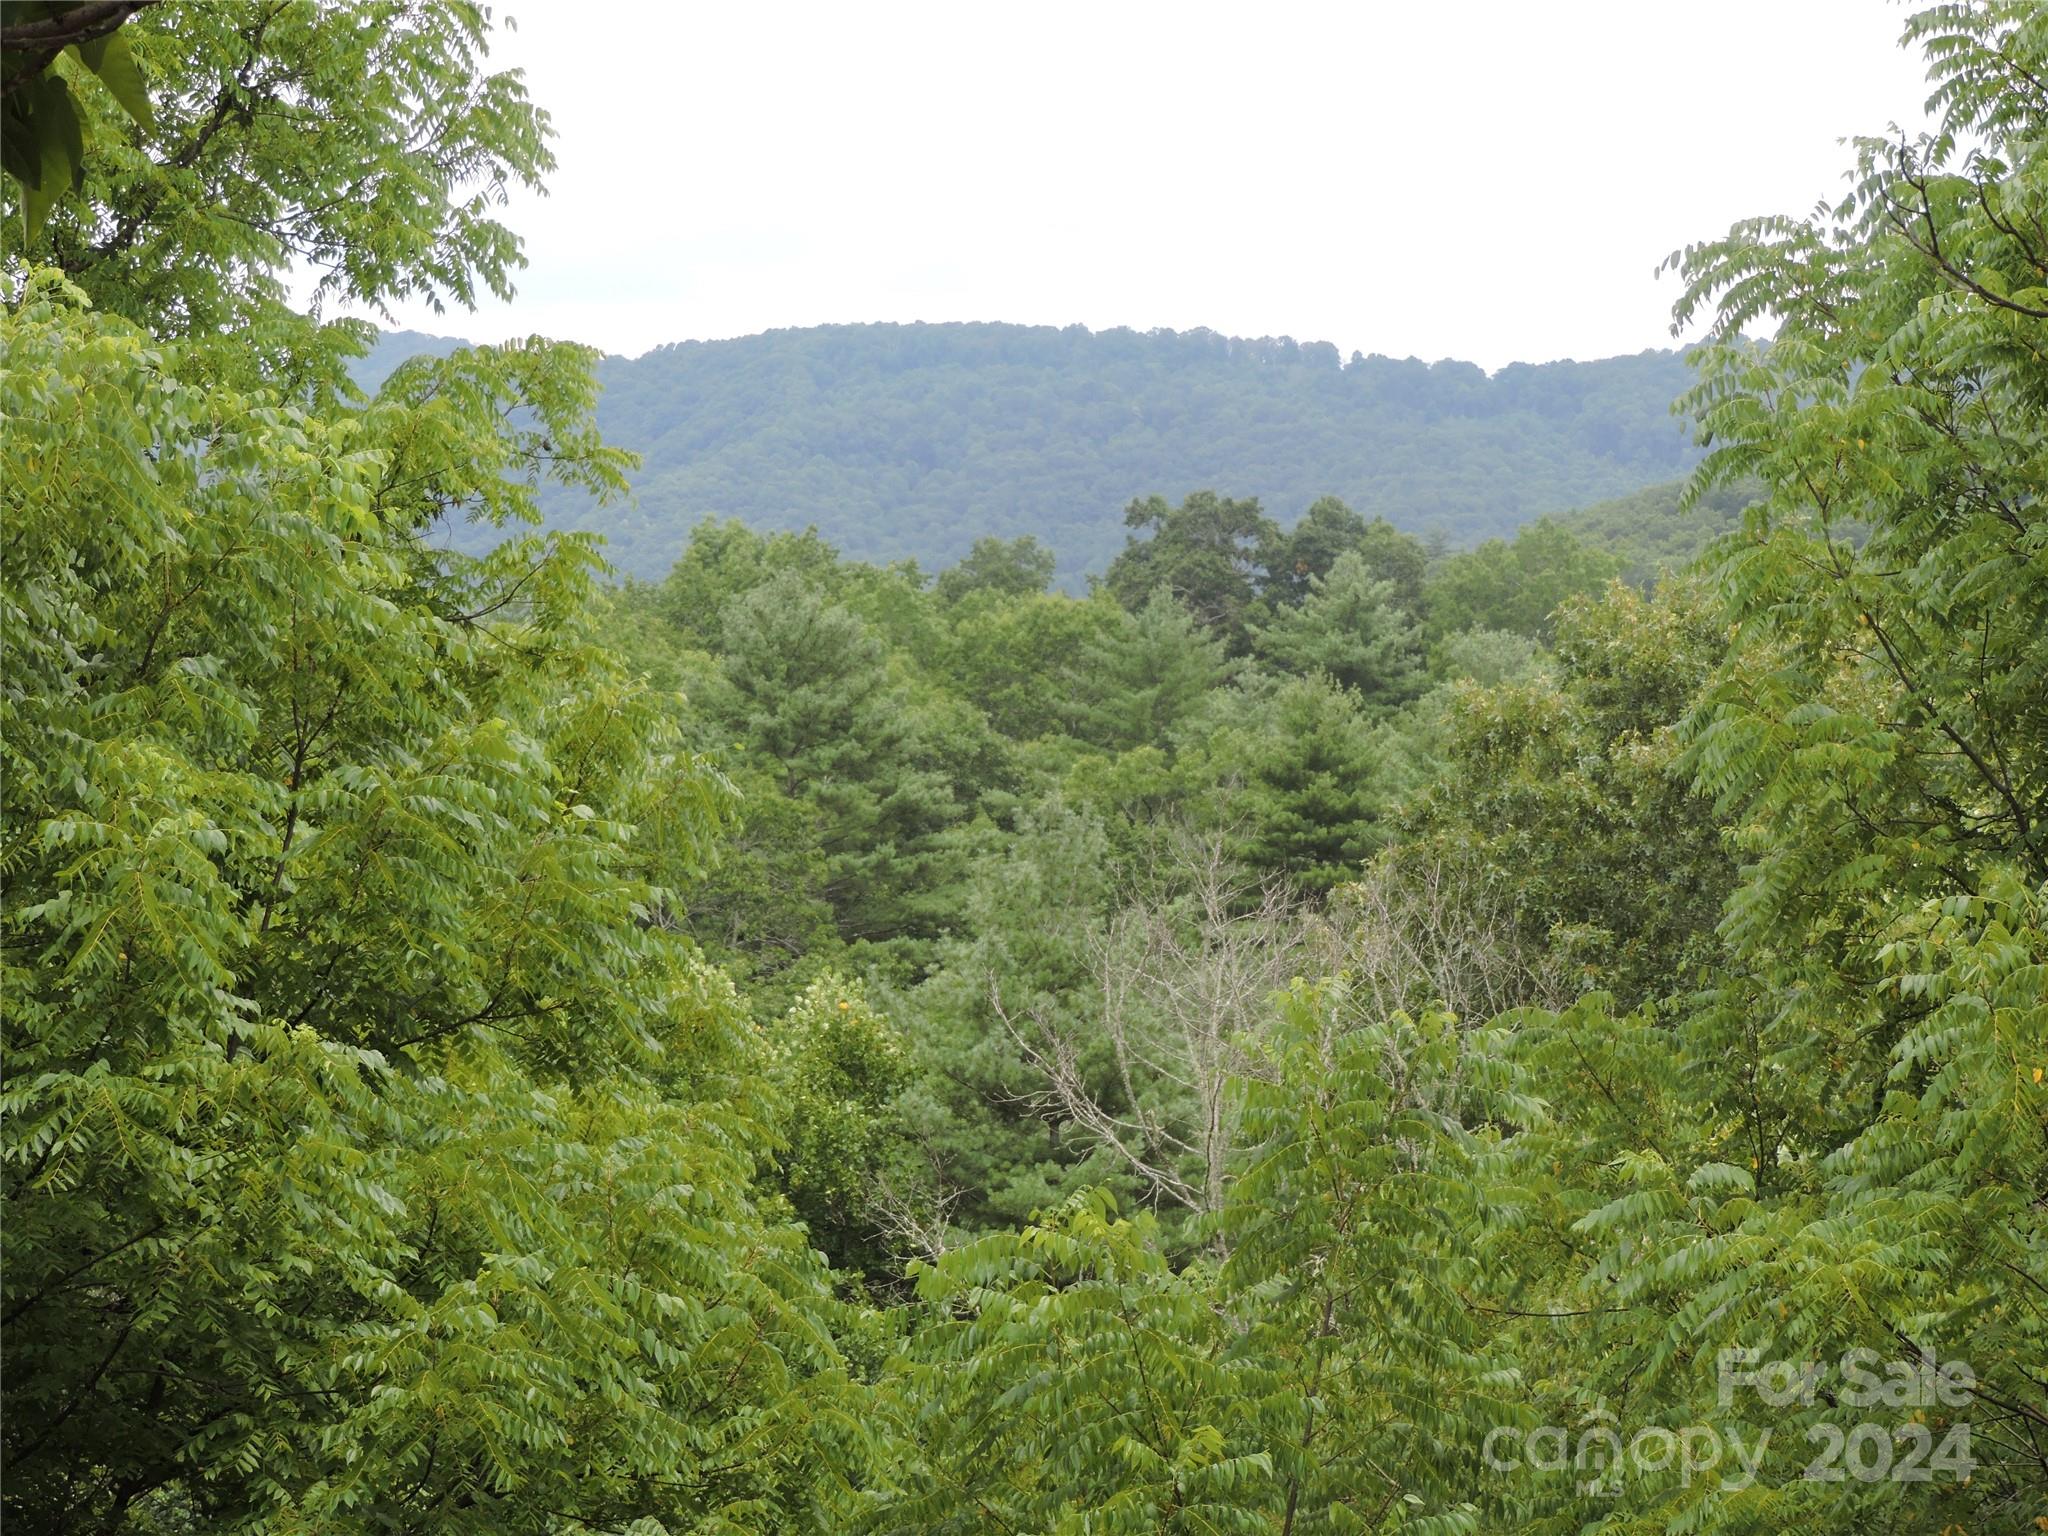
x,y
1418,1011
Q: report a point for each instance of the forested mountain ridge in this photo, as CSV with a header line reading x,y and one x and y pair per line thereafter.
x,y
911,441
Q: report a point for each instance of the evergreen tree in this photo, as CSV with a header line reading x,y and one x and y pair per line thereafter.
x,y
1349,627
1025,958
1145,675
1315,785
809,691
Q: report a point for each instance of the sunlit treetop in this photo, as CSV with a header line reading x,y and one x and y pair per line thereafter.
x,y
184,165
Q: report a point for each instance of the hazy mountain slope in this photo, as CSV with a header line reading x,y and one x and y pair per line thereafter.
x,y
392,348
909,441
1648,529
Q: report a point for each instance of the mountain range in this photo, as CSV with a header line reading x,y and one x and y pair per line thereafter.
x,y
911,441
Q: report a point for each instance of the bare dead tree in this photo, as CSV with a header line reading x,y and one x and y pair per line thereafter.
x,y
1418,930
913,1220
1187,970
1186,974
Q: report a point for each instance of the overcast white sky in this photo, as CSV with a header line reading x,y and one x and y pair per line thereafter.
x,y
1474,178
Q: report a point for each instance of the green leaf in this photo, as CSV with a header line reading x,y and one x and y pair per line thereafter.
x,y
20,154
63,139
113,61
59,148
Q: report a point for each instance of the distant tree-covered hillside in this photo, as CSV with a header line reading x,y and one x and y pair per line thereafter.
x,y
1652,531
911,441
392,348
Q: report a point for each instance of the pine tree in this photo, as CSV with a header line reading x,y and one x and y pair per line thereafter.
x,y
1317,780
1145,676
1349,627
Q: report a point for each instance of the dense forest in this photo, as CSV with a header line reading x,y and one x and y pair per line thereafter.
x,y
1322,1033
911,441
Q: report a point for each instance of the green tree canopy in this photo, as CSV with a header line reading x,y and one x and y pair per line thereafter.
x,y
1006,567
1302,779
1145,674
362,142
1191,1080
1517,583
1208,552
1350,626
1330,530
374,1152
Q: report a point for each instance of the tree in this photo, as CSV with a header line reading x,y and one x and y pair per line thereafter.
x,y
330,892
1068,1373
998,1144
727,560
1330,530
1144,675
1487,657
1418,931
1326,1376
1029,662
841,1065
397,151
1662,530
1838,1143
1350,627
1562,791
1016,567
1206,553
41,138
1515,584
809,691
1305,783
1888,729
374,1152
1184,975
